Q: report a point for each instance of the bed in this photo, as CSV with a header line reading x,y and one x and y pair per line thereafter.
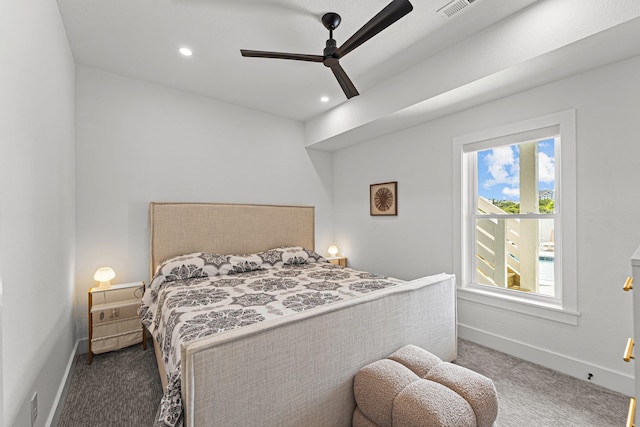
x,y
294,369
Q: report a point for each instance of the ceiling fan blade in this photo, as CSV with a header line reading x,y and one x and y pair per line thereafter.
x,y
387,16
281,55
345,82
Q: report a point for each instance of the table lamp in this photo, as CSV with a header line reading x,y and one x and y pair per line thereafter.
x,y
104,276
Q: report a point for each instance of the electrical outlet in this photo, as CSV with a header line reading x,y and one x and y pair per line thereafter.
x,y
34,408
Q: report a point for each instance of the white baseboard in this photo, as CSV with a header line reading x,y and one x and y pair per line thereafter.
x,y
58,402
605,377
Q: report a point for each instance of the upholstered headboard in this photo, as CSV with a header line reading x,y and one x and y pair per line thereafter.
x,y
181,228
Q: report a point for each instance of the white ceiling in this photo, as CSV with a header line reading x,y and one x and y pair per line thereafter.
x,y
140,39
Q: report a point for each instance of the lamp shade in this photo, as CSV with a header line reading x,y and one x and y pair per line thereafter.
x,y
333,250
104,276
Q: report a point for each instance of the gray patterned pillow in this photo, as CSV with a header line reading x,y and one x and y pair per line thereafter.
x,y
271,258
244,263
182,267
298,255
314,257
204,264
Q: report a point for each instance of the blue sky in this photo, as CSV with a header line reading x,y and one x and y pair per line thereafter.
x,y
498,171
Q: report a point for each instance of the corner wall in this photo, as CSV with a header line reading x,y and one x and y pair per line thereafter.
x,y
139,142
37,208
419,240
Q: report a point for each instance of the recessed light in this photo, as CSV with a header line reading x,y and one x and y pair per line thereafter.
x,y
185,51
324,99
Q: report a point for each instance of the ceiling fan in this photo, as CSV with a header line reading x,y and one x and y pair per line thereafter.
x,y
332,54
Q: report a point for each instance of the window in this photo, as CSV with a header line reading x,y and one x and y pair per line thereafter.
x,y
516,205
513,216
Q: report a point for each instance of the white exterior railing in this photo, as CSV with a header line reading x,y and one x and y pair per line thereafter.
x,y
498,246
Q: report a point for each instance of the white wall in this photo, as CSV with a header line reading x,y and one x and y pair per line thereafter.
x,y
418,240
37,207
139,142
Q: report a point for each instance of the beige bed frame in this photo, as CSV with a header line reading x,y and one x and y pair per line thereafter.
x,y
297,370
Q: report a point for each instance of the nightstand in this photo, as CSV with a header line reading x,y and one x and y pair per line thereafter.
x,y
113,318
338,260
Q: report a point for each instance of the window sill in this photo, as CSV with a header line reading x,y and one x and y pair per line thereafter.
x,y
540,309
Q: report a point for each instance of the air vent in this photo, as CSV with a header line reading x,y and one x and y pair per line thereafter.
x,y
451,8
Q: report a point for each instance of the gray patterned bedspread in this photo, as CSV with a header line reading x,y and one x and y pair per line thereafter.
x,y
203,294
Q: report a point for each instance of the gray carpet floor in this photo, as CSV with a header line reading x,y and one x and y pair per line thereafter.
x,y
531,395
123,389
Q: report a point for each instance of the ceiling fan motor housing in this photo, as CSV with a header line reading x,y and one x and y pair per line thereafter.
x,y
330,60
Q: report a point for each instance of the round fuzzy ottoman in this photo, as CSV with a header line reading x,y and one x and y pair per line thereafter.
x,y
413,387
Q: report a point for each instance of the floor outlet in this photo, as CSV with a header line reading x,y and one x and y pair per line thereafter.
x,y
34,408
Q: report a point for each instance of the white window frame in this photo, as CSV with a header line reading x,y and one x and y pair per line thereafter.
x,y
564,308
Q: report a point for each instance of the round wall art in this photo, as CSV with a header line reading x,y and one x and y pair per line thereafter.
x,y
383,199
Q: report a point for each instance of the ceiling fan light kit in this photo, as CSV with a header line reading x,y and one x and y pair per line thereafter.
x,y
332,54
